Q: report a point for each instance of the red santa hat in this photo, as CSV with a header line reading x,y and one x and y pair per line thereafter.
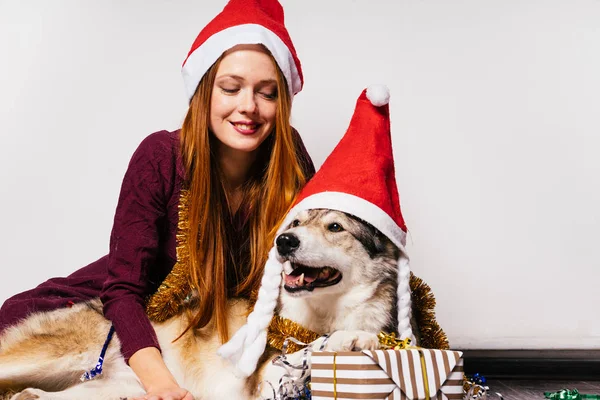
x,y
243,22
357,178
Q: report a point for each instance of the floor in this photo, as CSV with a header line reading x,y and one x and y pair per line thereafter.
x,y
529,389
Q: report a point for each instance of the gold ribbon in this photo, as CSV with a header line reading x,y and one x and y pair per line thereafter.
x,y
424,370
390,341
334,378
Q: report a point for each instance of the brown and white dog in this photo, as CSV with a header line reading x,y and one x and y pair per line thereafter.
x,y
340,277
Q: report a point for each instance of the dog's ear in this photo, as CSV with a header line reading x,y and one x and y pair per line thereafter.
x,y
375,242
380,243
370,237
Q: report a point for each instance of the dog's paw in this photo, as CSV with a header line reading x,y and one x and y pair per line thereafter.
x,y
27,394
352,341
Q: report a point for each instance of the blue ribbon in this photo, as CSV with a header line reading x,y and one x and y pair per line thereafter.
x,y
97,370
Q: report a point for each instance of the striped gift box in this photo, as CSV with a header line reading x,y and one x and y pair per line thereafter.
x,y
388,375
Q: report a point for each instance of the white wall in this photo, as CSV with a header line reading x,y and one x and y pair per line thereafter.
x,y
495,122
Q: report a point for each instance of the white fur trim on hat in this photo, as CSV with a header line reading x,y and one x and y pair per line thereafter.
x,y
356,206
205,56
378,95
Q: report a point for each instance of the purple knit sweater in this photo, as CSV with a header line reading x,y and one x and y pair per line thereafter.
x,y
142,247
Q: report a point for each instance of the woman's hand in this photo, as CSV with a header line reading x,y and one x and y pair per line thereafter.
x,y
159,383
173,393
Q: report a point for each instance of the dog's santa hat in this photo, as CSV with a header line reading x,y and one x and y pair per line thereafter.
x,y
243,22
357,178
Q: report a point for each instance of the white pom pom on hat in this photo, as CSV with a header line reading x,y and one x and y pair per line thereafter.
x,y
378,95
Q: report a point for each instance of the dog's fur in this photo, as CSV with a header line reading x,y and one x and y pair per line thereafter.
x,y
44,356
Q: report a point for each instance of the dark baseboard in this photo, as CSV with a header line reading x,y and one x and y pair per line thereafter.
x,y
534,364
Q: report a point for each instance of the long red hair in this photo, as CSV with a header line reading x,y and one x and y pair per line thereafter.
x,y
274,181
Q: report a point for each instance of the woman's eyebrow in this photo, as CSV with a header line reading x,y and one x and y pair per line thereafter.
x,y
264,81
236,77
242,79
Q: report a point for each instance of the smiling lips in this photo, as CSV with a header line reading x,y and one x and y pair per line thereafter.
x,y
246,127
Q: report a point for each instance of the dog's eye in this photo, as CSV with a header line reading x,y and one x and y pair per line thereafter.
x,y
335,227
295,223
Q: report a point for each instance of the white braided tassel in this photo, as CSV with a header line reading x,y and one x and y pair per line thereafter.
x,y
404,301
249,342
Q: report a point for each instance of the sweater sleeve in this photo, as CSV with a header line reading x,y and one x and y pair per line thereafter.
x,y
134,243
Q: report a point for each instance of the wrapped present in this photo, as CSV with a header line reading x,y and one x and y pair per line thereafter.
x,y
410,374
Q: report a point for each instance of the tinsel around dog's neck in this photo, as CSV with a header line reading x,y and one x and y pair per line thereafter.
x,y
430,334
281,329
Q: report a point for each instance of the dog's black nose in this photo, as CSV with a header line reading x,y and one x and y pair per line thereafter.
x,y
287,243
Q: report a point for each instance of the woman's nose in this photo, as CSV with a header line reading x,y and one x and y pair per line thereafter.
x,y
247,102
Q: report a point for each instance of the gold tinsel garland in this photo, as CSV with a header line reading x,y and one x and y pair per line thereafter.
x,y
168,300
283,328
431,335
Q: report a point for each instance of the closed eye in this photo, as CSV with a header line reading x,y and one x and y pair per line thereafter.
x,y
268,96
229,91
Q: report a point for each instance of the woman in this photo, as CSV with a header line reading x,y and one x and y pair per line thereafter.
x,y
222,182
